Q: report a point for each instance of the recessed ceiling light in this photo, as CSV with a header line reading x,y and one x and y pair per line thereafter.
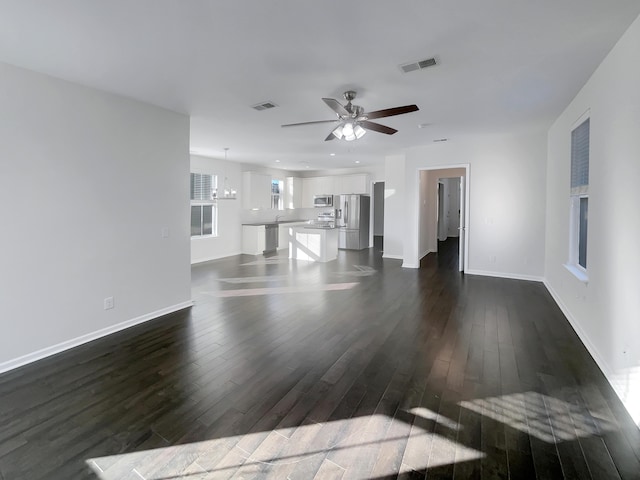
x,y
424,125
332,154
277,161
307,166
357,161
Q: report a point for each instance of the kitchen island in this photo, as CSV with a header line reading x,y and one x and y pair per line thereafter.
x,y
254,235
314,243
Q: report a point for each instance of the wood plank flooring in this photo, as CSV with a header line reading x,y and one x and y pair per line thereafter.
x,y
354,369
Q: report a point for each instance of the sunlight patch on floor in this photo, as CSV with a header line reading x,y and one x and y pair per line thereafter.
x,y
626,383
350,447
262,278
546,418
250,292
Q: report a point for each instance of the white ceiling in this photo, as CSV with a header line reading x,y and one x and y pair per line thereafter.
x,y
503,64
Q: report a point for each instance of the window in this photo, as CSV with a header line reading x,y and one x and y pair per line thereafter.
x,y
204,211
579,199
277,190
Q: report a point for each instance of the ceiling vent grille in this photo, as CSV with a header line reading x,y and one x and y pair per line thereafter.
x,y
264,106
419,65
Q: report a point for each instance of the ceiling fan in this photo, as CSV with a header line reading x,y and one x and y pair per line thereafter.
x,y
353,121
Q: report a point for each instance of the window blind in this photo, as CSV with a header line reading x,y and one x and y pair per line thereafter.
x,y
201,186
580,159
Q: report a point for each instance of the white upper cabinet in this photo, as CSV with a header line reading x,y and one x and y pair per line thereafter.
x,y
256,191
357,183
293,192
333,185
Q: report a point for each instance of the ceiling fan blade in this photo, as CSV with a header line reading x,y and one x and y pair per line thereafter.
x,y
309,123
336,106
376,127
390,112
331,136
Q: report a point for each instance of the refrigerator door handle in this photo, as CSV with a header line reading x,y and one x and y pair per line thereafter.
x,y
346,213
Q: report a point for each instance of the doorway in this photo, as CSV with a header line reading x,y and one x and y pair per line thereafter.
x,y
442,211
378,215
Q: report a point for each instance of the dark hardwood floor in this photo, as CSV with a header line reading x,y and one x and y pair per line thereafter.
x,y
352,369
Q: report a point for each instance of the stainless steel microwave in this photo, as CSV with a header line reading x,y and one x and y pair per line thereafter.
x,y
323,201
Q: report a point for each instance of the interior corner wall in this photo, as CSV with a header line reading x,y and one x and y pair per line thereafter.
x,y
94,202
425,226
229,239
604,312
507,200
393,205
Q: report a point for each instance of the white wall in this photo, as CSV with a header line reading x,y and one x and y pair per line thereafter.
x,y
453,196
229,239
606,311
88,181
378,208
394,221
424,208
507,201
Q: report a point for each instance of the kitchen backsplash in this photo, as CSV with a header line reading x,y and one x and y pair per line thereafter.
x,y
253,216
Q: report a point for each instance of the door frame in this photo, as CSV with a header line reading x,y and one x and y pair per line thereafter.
x,y
463,205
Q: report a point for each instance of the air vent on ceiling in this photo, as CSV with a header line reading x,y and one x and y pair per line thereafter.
x,y
263,106
419,65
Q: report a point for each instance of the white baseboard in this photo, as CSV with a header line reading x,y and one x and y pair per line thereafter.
x,y
512,276
215,257
61,347
427,253
394,257
584,338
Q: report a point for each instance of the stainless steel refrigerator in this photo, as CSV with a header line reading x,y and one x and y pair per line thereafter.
x,y
352,221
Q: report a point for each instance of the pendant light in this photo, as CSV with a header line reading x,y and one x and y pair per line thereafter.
x,y
227,191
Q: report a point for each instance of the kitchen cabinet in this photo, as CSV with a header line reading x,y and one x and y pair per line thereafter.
x,y
357,183
334,185
316,186
256,190
293,192
310,187
253,239
314,244
285,233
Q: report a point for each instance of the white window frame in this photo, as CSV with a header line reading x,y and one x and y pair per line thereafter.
x,y
210,201
577,193
277,199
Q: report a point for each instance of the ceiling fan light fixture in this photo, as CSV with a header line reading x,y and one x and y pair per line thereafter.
x,y
337,132
348,132
358,131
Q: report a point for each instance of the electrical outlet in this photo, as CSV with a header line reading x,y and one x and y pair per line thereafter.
x,y
108,303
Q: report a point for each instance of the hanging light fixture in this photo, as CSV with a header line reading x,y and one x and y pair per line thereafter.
x,y
227,192
349,131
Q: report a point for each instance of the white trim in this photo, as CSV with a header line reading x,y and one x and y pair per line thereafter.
x,y
584,338
512,276
394,257
409,265
581,119
218,257
89,337
578,272
467,205
427,253
593,351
